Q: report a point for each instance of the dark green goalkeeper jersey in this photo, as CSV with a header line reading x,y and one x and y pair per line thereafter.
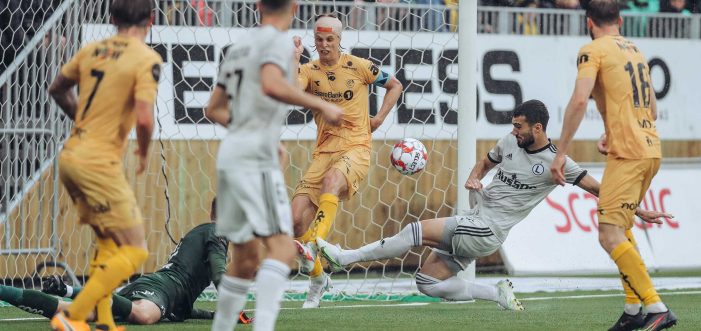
x,y
199,258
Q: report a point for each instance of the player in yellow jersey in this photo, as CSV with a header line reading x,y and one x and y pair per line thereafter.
x,y
118,81
342,155
614,71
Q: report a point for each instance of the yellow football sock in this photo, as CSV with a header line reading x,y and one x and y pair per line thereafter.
x,y
633,272
323,219
106,248
307,236
117,269
321,226
631,298
104,313
318,269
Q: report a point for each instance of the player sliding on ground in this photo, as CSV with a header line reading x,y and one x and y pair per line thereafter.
x,y
118,81
169,293
342,155
521,182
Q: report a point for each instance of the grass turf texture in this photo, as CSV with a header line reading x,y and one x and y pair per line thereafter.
x,y
544,311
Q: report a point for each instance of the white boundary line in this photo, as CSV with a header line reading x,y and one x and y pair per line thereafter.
x,y
418,304
23,319
389,304
588,296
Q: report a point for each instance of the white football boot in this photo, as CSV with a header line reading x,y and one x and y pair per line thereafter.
x,y
505,296
330,253
317,287
306,256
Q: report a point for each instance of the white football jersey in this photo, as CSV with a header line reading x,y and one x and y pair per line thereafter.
x,y
256,119
521,182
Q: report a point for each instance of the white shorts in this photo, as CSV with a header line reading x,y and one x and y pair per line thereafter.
x,y
252,203
468,238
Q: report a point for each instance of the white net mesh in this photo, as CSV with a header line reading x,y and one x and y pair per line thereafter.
x,y
38,37
414,44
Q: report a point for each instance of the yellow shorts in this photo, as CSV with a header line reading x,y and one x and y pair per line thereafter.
x,y
100,192
624,185
354,165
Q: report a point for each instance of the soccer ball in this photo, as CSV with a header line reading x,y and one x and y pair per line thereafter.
x,y
409,156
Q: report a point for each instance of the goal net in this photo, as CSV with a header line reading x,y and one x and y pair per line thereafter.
x,y
414,43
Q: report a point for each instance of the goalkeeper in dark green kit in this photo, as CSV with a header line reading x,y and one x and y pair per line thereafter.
x,y
169,293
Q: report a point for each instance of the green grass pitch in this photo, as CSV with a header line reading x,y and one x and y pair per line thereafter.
x,y
544,311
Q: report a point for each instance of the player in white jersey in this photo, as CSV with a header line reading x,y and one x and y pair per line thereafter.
x,y
256,82
521,182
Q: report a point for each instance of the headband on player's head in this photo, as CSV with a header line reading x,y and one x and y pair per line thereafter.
x,y
329,25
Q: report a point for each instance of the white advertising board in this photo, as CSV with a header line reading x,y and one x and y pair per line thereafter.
x,y
511,69
560,235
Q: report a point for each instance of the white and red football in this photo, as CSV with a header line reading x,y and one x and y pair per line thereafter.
x,y
409,156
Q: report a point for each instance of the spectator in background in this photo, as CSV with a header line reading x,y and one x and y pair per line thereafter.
x,y
641,6
674,6
433,18
11,32
204,12
20,21
637,26
357,15
567,4
488,19
497,3
694,6
386,14
527,23
452,12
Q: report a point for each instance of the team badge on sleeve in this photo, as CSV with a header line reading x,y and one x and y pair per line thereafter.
x,y
374,69
156,72
583,58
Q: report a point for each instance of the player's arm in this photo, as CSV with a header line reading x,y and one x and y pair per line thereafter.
x,y
274,85
218,108
61,90
302,75
591,185
394,91
216,255
144,130
588,64
481,168
145,92
574,114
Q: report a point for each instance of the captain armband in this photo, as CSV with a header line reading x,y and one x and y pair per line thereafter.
x,y
382,79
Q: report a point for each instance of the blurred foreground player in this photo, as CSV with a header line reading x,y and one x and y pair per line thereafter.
x,y
118,80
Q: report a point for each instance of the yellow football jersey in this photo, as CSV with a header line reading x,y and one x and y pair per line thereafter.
x,y
622,92
111,75
347,85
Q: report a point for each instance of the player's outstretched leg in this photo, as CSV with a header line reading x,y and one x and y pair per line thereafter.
x,y
457,289
505,296
332,254
31,301
318,286
397,245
